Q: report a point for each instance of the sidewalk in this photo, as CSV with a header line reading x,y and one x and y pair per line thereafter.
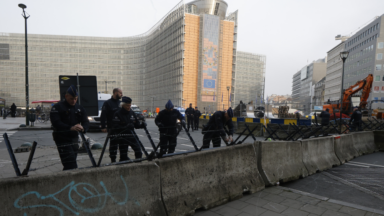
x,y
13,123
279,201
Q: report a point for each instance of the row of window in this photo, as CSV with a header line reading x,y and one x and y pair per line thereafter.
x,y
364,42
361,53
363,34
378,78
379,67
357,64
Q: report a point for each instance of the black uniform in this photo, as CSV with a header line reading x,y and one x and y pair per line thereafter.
x,y
63,117
166,121
356,118
215,129
190,112
325,118
124,122
107,112
13,110
197,116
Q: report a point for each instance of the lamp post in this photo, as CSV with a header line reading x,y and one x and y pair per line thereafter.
x,y
343,56
106,85
228,95
23,6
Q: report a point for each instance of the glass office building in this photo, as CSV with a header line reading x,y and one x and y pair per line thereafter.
x,y
189,56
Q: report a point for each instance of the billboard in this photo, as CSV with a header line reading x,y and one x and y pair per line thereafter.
x,y
304,73
210,55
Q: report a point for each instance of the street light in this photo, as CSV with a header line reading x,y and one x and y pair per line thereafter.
x,y
343,56
23,6
228,95
106,84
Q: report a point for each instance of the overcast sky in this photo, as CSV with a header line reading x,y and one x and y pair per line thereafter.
x,y
289,32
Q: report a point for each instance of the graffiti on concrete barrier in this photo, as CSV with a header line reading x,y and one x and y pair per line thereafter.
x,y
89,199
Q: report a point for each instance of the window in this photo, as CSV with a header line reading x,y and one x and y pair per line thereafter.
x,y
379,56
377,78
380,45
378,67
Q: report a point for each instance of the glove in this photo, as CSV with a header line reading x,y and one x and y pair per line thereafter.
x,y
183,123
160,125
143,125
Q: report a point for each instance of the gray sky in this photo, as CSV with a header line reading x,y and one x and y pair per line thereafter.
x,y
289,32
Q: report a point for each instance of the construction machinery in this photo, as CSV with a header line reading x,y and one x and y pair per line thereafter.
x,y
365,85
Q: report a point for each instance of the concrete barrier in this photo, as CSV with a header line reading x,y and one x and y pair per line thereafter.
x,y
364,142
319,154
116,190
280,161
379,139
208,178
344,148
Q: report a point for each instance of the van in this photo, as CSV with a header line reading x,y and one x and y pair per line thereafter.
x,y
94,121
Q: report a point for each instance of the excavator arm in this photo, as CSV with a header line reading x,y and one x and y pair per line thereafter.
x,y
366,91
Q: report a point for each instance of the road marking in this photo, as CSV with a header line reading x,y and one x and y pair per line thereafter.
x,y
180,150
182,138
356,165
187,145
366,164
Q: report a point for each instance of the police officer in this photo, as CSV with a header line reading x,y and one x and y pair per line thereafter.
x,y
324,115
190,112
356,118
166,120
197,116
124,122
215,128
107,112
68,118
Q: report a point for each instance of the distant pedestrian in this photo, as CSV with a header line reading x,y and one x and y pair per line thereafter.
x,y
2,111
214,130
38,109
68,119
13,110
190,117
197,118
356,118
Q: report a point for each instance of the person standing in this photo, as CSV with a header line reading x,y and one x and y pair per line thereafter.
x,y
356,117
324,115
214,130
190,116
2,111
124,122
68,119
108,111
197,117
13,110
166,120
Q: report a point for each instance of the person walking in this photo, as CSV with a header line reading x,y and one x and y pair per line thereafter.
x,y
190,116
108,111
124,122
166,120
68,119
197,118
214,130
13,110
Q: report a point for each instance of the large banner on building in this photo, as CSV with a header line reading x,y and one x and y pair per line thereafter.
x,y
210,54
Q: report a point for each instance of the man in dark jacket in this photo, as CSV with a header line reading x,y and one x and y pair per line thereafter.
x,y
197,116
190,112
68,119
107,112
214,130
166,120
13,110
356,117
324,115
124,122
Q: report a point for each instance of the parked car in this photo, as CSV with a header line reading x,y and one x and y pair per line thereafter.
x,y
138,112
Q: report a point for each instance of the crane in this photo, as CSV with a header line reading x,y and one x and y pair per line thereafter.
x,y
365,85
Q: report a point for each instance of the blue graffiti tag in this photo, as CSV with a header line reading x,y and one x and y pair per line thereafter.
x,y
77,206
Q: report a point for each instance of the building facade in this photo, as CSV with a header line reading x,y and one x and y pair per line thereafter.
x,y
318,97
250,73
309,76
334,70
366,50
189,56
